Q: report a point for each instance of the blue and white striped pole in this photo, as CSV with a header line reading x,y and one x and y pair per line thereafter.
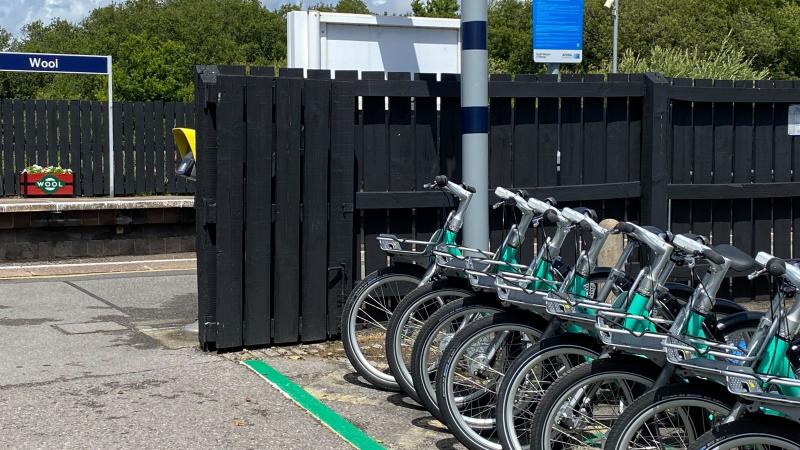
x,y
475,119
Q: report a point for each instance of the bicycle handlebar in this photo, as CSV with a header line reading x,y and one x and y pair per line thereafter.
x,y
507,196
775,266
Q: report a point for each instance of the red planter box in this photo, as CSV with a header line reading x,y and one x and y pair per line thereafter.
x,y
46,185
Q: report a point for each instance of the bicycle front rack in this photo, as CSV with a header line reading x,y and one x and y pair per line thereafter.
x,y
703,355
745,383
396,246
458,262
513,288
575,308
609,326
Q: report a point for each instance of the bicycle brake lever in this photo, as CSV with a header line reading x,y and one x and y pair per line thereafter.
x,y
756,274
498,204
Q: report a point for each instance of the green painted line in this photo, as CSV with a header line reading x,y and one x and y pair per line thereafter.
x,y
338,424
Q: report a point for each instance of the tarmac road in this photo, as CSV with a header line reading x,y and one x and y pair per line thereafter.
x,y
102,362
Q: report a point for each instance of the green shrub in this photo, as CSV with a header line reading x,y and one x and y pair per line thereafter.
x,y
727,63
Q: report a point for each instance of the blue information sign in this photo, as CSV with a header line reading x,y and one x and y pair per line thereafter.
x,y
558,31
42,62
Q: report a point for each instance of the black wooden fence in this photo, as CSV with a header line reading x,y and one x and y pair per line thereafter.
x,y
298,175
74,135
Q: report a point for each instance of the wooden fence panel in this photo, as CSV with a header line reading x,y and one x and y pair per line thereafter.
x,y
426,158
158,147
702,156
742,208
52,133
85,169
258,194
230,210
342,262
287,204
796,201
376,177
9,169
500,162
315,207
723,168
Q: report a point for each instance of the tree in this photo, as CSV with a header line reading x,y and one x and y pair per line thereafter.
x,y
435,8
155,45
344,6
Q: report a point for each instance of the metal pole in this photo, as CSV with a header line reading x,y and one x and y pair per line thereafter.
x,y
553,68
615,12
475,119
110,130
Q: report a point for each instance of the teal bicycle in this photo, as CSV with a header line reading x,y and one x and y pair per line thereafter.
x,y
457,263
370,305
740,396
578,409
473,364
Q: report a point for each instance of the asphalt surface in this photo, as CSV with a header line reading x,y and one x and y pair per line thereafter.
x,y
103,362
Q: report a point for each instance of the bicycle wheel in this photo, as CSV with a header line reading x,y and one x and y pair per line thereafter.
x,y
472,368
434,337
529,377
408,319
579,408
671,417
365,315
753,433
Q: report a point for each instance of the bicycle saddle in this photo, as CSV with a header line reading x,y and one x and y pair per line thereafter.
x,y
658,231
587,212
740,261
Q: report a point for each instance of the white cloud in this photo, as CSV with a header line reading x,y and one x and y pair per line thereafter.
x,y
14,14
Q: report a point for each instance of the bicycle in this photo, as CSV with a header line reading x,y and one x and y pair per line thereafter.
x,y
579,408
473,363
767,408
373,299
674,415
441,326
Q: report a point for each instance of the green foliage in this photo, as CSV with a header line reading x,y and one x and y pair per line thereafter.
x,y
156,43
54,170
344,6
726,63
435,8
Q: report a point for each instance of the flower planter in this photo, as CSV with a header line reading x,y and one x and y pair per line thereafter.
x,y
46,184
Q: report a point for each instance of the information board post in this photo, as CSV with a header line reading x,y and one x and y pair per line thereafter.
x,y
74,64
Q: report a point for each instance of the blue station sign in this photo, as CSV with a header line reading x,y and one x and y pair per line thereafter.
x,y
558,31
55,63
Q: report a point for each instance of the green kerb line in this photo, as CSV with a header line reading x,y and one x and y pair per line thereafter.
x,y
338,424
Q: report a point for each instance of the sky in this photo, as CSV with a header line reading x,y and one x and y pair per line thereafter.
x,y
14,14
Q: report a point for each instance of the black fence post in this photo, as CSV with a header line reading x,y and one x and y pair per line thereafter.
x,y
655,152
205,204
